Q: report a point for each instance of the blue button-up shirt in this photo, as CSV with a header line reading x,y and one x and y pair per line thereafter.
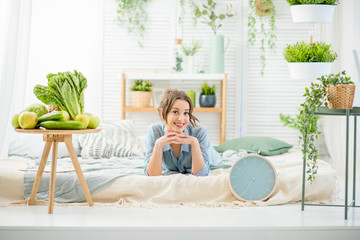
x,y
182,164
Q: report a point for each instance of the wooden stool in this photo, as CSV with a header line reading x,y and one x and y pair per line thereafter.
x,y
53,137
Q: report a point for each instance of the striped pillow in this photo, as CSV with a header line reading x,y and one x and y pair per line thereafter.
x,y
116,139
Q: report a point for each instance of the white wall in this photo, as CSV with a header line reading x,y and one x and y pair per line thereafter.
x,y
66,35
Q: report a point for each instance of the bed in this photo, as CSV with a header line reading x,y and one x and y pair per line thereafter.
x,y
118,179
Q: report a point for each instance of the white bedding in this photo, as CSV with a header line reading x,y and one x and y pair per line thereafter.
x,y
179,190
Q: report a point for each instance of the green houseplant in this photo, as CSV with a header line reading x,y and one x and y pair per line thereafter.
x,y
261,27
132,15
312,11
309,60
207,96
208,15
306,122
141,93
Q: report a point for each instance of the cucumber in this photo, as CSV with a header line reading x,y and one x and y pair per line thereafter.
x,y
54,115
67,124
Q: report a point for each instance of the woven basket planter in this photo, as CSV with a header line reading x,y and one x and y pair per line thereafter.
x,y
340,96
262,9
141,99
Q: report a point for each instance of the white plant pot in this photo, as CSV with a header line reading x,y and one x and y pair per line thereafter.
x,y
311,71
312,13
188,64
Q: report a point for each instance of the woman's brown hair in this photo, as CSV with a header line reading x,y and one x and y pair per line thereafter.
x,y
168,100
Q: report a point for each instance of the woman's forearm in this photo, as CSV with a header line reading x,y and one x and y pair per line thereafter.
x,y
154,167
197,158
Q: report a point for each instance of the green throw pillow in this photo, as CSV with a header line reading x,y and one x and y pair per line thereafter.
x,y
265,146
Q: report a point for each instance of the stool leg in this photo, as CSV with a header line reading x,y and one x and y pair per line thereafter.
x,y
53,178
40,172
69,146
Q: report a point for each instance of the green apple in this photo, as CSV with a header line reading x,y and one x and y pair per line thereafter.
x,y
66,115
94,122
83,118
15,121
28,120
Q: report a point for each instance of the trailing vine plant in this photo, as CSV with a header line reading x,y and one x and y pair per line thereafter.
x,y
267,32
132,14
307,123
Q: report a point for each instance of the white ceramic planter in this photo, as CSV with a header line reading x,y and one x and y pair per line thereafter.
x,y
312,13
188,64
310,71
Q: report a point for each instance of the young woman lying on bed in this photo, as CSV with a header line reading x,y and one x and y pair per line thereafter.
x,y
175,145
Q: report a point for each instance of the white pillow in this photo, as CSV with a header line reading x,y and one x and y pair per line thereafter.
x,y
116,139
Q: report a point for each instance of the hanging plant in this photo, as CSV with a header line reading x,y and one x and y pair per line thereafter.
x,y
132,15
262,13
316,96
184,5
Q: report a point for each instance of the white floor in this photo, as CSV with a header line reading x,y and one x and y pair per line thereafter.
x,y
276,222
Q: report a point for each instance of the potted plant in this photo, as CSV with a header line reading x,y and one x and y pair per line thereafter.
x,y
261,27
207,14
306,122
132,15
207,96
189,51
309,60
312,11
141,93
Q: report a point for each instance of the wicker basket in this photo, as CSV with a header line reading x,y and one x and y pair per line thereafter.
x,y
340,96
141,99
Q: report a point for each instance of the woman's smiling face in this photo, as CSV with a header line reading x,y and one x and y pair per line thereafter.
x,y
178,117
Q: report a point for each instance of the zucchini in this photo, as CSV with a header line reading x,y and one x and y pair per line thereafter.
x,y
54,115
67,124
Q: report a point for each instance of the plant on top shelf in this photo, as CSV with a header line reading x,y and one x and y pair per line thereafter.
x,y
191,49
261,27
301,2
207,96
132,14
306,122
141,93
309,60
210,17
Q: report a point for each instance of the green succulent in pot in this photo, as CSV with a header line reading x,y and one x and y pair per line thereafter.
x,y
207,97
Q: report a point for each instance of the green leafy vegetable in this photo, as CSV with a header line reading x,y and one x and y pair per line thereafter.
x,y
65,90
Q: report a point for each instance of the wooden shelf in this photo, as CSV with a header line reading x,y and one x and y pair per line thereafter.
x,y
154,109
179,77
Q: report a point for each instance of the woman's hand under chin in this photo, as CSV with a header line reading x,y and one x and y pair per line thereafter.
x,y
176,138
